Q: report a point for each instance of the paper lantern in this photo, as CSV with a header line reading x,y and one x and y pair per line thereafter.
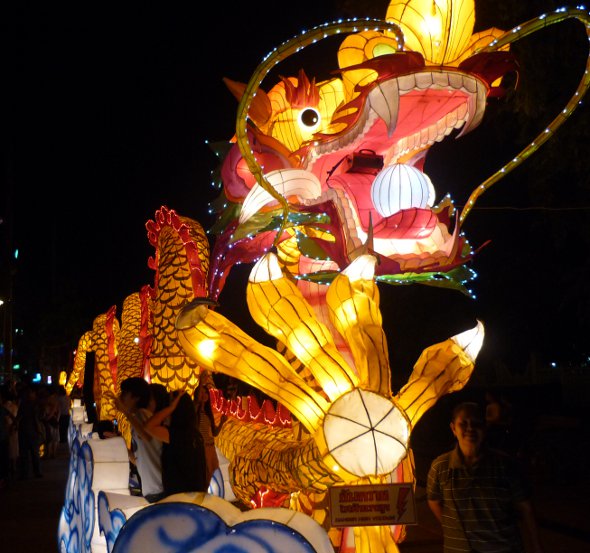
x,y
439,29
366,434
181,264
102,340
291,186
194,521
401,186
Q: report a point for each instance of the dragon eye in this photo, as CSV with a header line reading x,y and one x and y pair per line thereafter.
x,y
310,118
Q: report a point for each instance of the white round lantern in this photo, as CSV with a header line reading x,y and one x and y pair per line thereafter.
x,y
400,186
366,433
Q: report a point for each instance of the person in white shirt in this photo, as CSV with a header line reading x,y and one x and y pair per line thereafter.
x,y
146,451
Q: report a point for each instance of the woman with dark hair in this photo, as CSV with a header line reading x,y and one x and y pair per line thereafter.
x,y
159,397
207,427
183,453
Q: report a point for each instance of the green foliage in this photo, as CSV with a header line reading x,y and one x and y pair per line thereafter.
x,y
260,222
271,221
310,247
228,215
455,279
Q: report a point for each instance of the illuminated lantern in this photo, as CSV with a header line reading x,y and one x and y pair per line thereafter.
x,y
400,186
95,465
356,432
130,353
103,341
366,434
211,523
181,264
440,29
405,86
321,233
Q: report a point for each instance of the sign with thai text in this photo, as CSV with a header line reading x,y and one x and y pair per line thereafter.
x,y
372,505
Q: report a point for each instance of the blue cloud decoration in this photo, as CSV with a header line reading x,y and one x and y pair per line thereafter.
x,y
185,527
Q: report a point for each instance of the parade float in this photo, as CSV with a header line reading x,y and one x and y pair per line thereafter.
x,y
323,192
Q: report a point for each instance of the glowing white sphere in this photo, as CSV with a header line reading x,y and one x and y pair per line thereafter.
x,y
400,186
366,433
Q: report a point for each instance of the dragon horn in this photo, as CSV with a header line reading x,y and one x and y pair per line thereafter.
x,y
260,109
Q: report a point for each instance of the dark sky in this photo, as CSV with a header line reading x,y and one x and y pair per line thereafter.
x,y
110,107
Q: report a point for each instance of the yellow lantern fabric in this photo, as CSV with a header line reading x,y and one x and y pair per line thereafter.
x,y
441,369
102,340
334,447
439,29
181,264
130,356
353,303
293,180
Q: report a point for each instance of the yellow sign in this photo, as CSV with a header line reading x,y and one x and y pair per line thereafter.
x,y
372,505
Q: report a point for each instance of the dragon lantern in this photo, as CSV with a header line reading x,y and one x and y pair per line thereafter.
x,y
323,191
102,341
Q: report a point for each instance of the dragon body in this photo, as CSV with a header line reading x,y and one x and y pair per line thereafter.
x,y
181,263
102,341
145,343
130,354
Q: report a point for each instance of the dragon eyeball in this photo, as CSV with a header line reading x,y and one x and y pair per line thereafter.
x,y
309,118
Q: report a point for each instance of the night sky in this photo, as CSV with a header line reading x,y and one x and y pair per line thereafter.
x,y
109,112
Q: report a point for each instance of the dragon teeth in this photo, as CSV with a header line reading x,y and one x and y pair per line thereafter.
x,y
383,102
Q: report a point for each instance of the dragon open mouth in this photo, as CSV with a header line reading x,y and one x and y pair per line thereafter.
x,y
409,113
399,120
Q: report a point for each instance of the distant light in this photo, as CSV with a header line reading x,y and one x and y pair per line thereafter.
x,y
553,364
16,367
37,377
16,254
49,380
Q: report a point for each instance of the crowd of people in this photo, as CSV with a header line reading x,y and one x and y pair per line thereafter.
x,y
476,490
172,445
34,419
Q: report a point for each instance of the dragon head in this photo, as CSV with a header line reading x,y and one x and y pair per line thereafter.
x,y
346,155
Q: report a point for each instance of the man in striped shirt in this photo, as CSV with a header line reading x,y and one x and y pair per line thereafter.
x,y
477,493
